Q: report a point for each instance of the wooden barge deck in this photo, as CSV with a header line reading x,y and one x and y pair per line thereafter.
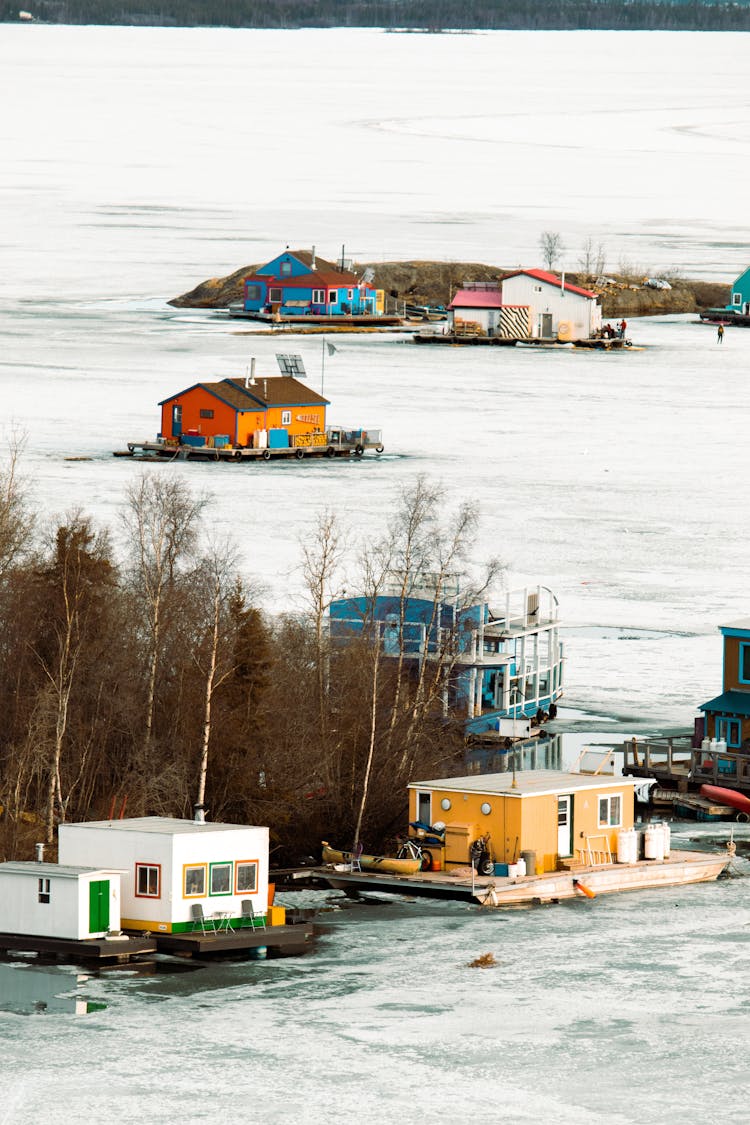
x,y
678,869
458,339
161,451
279,941
677,763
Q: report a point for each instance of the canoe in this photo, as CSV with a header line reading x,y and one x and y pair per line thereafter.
x,y
726,797
387,863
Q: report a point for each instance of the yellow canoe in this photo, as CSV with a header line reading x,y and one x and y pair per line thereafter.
x,y
387,863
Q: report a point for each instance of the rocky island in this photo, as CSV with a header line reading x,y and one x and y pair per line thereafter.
x,y
434,283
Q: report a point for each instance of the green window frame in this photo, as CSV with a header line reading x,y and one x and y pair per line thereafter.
x,y
220,878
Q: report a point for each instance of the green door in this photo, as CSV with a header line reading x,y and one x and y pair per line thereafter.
x,y
98,906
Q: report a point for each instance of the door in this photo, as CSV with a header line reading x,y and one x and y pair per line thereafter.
x,y
565,826
98,906
177,421
545,323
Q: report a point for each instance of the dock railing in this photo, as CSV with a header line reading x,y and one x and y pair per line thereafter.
x,y
725,768
658,756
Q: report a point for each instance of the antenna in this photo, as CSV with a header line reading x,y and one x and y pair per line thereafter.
x,y
291,365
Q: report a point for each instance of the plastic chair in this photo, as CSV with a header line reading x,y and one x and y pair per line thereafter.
x,y
200,921
356,855
250,917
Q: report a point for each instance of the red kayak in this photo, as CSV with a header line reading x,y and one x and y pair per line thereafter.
x,y
729,797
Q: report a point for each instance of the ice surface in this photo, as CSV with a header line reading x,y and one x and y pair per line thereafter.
x,y
137,162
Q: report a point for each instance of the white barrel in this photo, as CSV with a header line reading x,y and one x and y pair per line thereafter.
x,y
721,746
706,745
667,838
712,745
512,870
521,865
654,842
627,845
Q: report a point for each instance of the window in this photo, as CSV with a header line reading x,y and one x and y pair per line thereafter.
x,y
147,880
275,294
253,292
318,296
333,296
486,808
744,663
286,417
194,877
350,294
736,298
221,879
730,731
207,413
610,814
537,288
246,876
286,269
44,893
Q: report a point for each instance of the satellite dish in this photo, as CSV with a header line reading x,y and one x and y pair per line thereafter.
x,y
291,365
368,275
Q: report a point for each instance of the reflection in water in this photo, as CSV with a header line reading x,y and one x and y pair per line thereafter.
x,y
30,991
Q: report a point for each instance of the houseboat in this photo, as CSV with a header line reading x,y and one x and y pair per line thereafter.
x,y
717,752
503,662
72,910
528,306
300,287
737,312
539,837
243,420
196,886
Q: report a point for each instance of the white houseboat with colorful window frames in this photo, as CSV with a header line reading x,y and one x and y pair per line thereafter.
x,y
169,865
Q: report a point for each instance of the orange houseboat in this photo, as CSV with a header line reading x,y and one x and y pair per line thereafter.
x,y
245,419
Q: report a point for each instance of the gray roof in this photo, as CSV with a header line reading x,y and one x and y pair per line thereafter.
x,y
160,825
47,870
528,783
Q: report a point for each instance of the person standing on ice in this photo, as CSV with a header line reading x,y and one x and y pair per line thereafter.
x,y
720,334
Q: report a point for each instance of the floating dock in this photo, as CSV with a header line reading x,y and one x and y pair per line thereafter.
x,y
678,869
110,950
458,339
278,941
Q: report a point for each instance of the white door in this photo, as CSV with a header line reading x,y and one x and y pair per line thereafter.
x,y
564,826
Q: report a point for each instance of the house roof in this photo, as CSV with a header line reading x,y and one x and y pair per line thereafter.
x,y
47,870
161,825
275,390
325,272
477,299
729,703
552,279
529,783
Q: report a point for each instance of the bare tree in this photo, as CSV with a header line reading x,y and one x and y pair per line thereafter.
x,y
162,519
15,519
552,248
321,560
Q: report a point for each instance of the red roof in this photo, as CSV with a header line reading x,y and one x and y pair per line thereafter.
x,y
551,279
477,299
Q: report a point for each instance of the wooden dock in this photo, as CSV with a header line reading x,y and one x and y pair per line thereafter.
x,y
113,950
278,941
461,338
677,762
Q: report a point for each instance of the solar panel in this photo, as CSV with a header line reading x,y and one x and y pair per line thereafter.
x,y
291,365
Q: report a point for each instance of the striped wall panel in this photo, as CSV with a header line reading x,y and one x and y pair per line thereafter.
x,y
515,322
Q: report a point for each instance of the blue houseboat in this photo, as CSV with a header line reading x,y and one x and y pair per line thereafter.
x,y
738,309
299,285
504,666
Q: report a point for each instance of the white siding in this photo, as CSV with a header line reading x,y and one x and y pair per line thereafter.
x,y
582,314
66,915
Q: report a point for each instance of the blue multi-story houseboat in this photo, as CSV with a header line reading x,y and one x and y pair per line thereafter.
x,y
737,311
503,666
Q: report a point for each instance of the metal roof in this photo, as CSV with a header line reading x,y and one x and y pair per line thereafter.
x,y
476,299
528,783
47,870
551,279
160,825
729,702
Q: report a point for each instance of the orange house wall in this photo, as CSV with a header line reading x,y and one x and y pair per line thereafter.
x,y
239,425
192,402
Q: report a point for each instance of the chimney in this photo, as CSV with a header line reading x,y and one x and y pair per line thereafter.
x,y
562,282
250,378
199,814
39,849
312,263
343,257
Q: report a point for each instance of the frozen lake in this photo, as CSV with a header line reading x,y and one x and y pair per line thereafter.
x,y
136,163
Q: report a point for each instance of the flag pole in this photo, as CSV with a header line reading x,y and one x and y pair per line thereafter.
x,y
323,368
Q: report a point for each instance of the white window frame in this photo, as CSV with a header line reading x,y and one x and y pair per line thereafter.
x,y
423,794
44,891
736,298
139,867
333,297
608,800
286,417
318,296
275,289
